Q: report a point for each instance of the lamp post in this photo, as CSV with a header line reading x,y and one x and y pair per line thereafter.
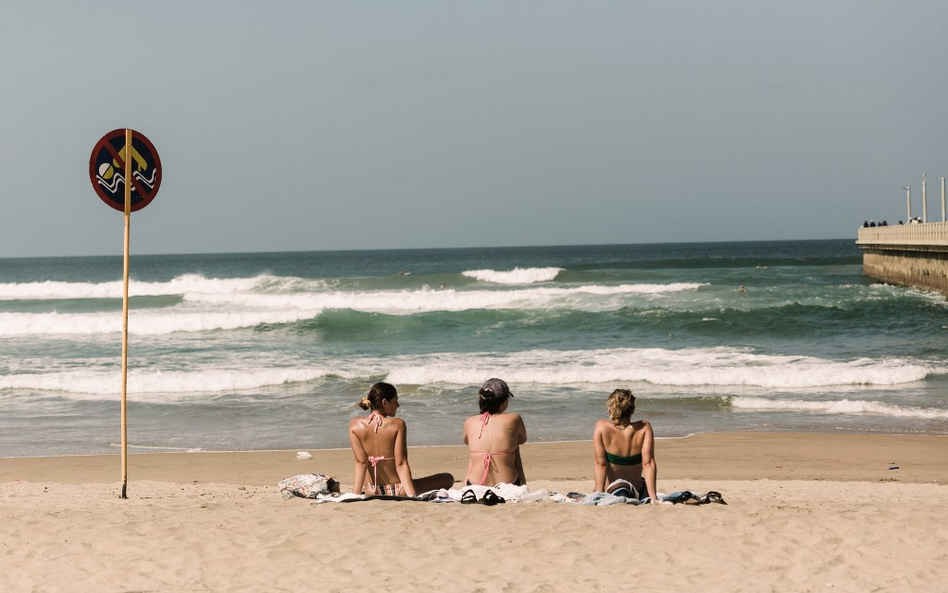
x,y
908,204
942,180
924,201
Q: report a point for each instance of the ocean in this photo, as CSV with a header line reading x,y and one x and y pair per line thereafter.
x,y
274,350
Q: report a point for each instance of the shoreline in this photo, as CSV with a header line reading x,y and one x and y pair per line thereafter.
x,y
703,456
804,512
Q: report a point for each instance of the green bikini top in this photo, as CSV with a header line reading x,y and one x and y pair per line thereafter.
x,y
620,460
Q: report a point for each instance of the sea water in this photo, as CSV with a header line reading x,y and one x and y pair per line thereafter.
x,y
274,350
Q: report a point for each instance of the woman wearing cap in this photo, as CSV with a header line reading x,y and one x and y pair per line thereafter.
x,y
624,451
380,446
494,439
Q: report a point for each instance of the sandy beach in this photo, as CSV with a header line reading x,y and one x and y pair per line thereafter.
x,y
805,512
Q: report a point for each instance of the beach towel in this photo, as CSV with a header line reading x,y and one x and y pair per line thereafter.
x,y
478,494
307,486
504,493
603,499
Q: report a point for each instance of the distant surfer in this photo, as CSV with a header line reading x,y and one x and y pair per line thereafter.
x,y
742,289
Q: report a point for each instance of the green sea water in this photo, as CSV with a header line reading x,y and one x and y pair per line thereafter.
x,y
273,350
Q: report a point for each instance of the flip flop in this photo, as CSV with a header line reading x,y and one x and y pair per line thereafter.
x,y
490,499
468,497
712,496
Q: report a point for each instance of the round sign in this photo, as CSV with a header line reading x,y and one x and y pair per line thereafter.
x,y
107,169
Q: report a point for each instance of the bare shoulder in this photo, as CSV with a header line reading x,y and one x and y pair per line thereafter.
x,y
355,423
602,425
643,425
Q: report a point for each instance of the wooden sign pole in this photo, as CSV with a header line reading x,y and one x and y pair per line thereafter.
x,y
128,219
106,166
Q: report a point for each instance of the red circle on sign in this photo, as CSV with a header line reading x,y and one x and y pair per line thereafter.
x,y
107,170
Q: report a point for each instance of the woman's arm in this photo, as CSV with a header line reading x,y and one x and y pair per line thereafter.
x,y
361,459
470,462
649,467
599,466
521,439
518,465
521,431
401,458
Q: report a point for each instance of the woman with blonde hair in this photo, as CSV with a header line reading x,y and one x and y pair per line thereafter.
x,y
625,457
380,447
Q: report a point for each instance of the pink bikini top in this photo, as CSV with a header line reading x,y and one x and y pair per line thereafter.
x,y
373,460
485,418
377,418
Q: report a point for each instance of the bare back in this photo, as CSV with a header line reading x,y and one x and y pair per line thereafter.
x,y
386,445
623,451
494,443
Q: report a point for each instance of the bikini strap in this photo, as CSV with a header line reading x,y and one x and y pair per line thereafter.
x,y
377,418
486,467
485,418
374,462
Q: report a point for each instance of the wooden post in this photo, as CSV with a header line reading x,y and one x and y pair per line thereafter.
x,y
128,219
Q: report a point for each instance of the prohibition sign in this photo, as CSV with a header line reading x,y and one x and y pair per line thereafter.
x,y
107,166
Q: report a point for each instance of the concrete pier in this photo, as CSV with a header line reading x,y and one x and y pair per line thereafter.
x,y
907,255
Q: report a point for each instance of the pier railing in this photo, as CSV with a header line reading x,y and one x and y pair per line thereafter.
x,y
927,234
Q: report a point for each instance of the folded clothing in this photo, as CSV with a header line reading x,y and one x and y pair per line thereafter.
x,y
307,486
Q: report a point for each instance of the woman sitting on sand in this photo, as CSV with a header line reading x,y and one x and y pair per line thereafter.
x,y
380,446
494,439
624,450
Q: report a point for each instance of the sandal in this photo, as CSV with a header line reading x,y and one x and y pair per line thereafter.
x,y
490,499
468,497
712,496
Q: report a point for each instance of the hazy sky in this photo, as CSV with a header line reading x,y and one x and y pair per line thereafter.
x,y
363,125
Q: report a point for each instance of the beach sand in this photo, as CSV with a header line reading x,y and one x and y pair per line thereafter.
x,y
805,512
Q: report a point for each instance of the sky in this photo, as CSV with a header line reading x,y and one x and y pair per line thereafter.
x,y
306,126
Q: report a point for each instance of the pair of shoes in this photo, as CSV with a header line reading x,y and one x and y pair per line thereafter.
x,y
490,499
468,497
710,497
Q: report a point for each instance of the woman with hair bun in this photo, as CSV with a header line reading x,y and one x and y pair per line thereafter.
x,y
494,439
625,458
380,447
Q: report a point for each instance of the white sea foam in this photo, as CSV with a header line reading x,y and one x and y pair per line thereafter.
x,y
688,368
405,302
691,367
144,322
844,406
515,276
162,386
223,304
101,290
